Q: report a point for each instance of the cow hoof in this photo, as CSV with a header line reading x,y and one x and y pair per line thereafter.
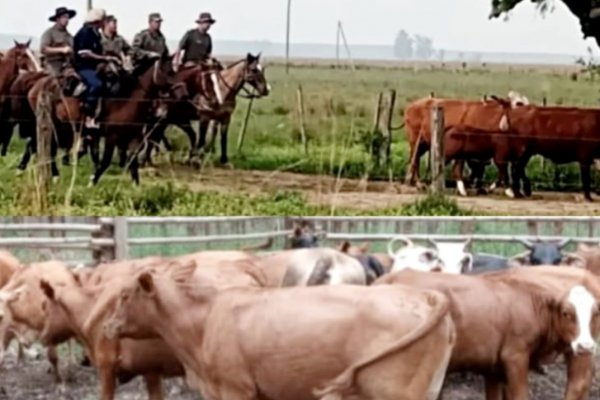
x,y
510,193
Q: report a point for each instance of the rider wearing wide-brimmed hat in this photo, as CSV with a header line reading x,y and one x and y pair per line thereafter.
x,y
57,43
196,45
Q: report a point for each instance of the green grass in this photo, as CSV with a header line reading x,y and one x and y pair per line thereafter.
x,y
339,107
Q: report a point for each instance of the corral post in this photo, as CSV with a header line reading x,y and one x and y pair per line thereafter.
x,y
121,237
44,140
244,127
103,253
438,179
287,37
302,126
288,225
388,128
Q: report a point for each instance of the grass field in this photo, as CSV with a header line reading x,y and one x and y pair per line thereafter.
x,y
339,106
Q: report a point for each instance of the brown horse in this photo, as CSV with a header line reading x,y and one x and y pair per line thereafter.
x,y
17,60
125,120
198,83
227,84
231,82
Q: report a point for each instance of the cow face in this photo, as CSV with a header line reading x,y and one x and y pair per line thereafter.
x,y
414,257
579,320
454,256
546,253
57,327
304,237
135,299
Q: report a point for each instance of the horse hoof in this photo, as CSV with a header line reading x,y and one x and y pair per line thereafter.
x,y
20,172
509,193
55,179
227,165
460,186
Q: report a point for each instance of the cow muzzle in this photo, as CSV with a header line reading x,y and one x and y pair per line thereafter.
x,y
584,346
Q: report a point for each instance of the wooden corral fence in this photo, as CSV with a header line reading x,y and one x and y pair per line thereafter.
x,y
89,241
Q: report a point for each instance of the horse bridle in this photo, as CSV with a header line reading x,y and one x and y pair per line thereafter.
x,y
248,94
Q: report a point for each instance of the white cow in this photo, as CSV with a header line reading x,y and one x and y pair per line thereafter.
x,y
415,257
455,256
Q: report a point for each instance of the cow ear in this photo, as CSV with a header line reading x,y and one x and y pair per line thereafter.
x,y
573,260
11,297
146,282
297,232
365,247
344,246
47,289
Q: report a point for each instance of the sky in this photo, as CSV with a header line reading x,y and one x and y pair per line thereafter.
x,y
452,24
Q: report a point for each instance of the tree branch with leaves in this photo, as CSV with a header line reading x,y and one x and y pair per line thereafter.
x,y
587,11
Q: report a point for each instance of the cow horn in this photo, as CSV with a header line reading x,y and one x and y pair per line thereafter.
x,y
528,244
519,260
563,243
407,242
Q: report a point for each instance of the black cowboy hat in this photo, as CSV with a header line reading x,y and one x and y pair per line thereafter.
x,y
60,11
206,17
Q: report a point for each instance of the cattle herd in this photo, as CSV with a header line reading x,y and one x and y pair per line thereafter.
x,y
313,322
508,132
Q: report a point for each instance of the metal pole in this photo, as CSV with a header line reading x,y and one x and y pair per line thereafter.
x,y
90,4
287,39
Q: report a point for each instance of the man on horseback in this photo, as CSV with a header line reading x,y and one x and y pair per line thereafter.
x,y
57,43
196,44
88,55
150,43
112,42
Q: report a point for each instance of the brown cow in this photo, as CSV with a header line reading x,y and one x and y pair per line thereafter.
x,y
9,264
510,321
67,310
268,343
560,134
22,299
484,116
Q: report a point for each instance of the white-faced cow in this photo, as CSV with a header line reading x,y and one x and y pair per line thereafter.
x,y
414,257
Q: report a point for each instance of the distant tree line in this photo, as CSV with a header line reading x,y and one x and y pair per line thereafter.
x,y
420,47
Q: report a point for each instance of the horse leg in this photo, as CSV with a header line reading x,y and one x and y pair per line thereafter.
x,y
586,179
134,150
109,149
26,156
6,129
224,133
202,130
53,152
457,173
122,157
193,138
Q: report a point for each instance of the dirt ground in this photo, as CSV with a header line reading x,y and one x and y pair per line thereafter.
x,y
32,381
363,195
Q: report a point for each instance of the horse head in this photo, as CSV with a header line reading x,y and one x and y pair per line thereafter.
x,y
21,58
255,75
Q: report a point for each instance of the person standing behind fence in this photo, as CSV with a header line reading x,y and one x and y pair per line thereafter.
x,y
196,45
150,43
112,42
57,43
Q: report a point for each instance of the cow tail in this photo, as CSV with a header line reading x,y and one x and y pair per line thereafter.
x,y
336,389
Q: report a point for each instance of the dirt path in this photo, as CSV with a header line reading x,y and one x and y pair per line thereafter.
x,y
362,195
32,381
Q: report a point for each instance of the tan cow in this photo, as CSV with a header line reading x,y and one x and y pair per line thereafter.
x,y
295,343
68,308
511,321
23,300
9,264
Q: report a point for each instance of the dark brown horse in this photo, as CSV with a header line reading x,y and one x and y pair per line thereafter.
x,y
199,82
226,85
17,60
128,122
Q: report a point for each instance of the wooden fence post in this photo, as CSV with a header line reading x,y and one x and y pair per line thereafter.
x,y
388,127
244,127
103,254
44,139
438,178
121,237
302,126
